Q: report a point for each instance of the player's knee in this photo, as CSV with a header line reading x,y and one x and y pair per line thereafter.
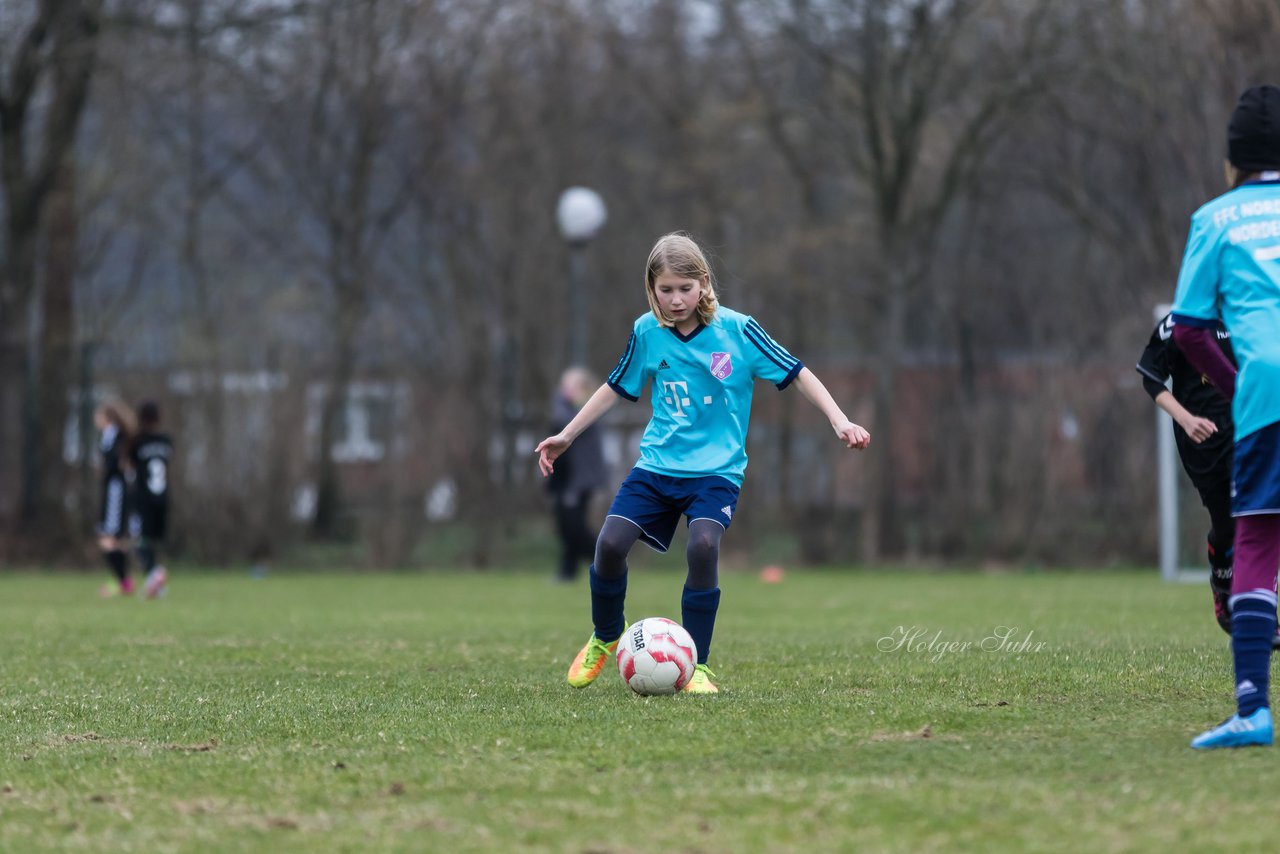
x,y
610,550
703,546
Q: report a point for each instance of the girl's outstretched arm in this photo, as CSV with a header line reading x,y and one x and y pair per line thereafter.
x,y
812,388
553,446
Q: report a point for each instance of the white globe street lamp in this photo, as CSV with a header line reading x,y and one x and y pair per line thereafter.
x,y
580,214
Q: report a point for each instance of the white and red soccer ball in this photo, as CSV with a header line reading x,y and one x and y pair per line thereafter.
x,y
656,656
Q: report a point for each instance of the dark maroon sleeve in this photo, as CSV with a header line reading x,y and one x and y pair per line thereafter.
x,y
1200,346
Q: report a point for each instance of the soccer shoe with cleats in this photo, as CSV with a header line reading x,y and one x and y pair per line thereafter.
x,y
590,661
157,581
1236,731
700,682
114,589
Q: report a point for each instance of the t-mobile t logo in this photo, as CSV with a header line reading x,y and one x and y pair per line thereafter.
x,y
675,392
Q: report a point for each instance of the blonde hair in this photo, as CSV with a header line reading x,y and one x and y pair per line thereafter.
x,y
578,384
117,412
677,254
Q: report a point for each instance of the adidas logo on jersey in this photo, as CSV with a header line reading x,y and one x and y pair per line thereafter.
x,y
663,366
727,511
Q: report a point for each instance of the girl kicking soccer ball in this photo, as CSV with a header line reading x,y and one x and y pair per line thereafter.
x,y
702,360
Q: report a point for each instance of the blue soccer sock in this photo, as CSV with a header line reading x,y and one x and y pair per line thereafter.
x,y
1253,625
698,614
608,596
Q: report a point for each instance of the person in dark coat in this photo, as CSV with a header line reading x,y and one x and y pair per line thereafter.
x,y
579,473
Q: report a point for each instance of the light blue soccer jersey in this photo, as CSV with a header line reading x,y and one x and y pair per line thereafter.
x,y
1231,271
702,387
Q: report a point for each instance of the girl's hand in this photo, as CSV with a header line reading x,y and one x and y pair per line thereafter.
x,y
548,450
853,436
1198,428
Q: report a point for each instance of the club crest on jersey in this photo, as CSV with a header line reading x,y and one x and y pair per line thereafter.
x,y
721,365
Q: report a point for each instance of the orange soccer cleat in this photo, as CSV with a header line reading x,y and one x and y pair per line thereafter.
x,y
590,661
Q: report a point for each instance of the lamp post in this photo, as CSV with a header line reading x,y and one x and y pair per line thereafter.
x,y
580,214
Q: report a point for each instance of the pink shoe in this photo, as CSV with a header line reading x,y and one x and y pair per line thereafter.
x,y
112,590
157,579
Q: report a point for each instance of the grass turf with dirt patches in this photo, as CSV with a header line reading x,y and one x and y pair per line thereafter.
x,y
858,711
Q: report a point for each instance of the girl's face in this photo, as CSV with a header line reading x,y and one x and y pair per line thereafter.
x,y
678,297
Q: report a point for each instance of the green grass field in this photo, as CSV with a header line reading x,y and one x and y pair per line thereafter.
x,y
429,712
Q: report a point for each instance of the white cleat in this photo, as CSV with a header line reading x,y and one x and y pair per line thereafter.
x,y
157,582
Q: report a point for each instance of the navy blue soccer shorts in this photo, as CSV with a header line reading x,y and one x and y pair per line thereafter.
x,y
654,503
1255,479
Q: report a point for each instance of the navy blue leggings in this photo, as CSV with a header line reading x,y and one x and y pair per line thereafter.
x,y
703,553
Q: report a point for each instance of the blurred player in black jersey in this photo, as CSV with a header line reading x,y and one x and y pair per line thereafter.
x,y
578,474
116,427
150,456
1204,444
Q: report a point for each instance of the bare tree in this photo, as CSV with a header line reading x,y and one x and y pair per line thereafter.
x,y
910,98
50,61
1145,138
332,113
950,205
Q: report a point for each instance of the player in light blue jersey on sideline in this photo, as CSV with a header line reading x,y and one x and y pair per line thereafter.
x,y
701,361
1231,273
